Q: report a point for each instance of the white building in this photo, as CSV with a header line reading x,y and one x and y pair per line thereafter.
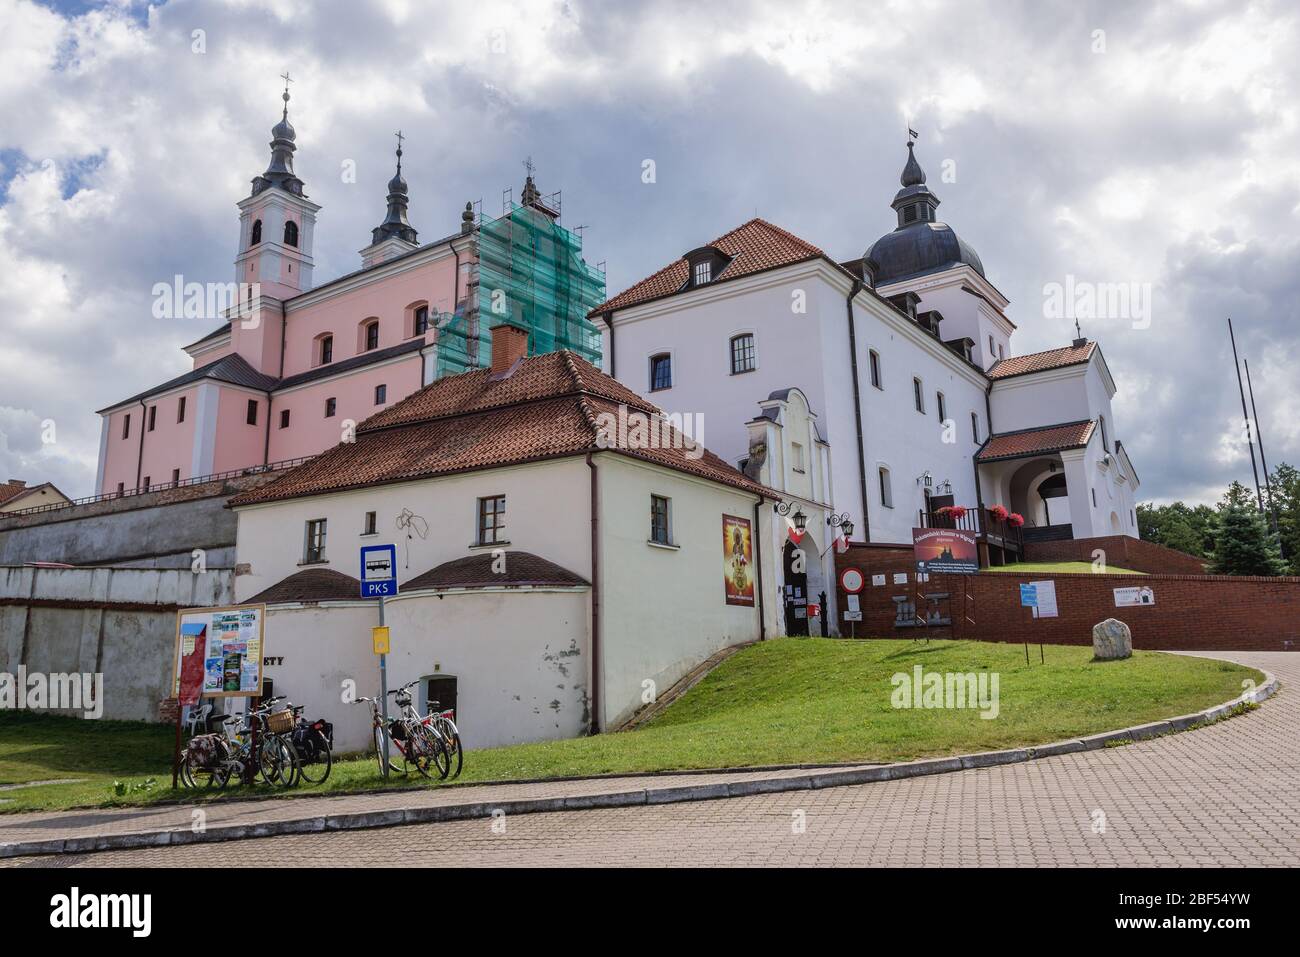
x,y
559,567
905,358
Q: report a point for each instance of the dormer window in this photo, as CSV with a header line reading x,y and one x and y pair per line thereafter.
x,y
291,234
704,265
257,233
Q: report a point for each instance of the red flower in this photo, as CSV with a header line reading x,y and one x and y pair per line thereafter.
x,y
1016,519
958,511
999,513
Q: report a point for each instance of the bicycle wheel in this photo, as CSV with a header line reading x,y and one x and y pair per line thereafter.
x,y
422,749
277,762
316,769
455,752
200,777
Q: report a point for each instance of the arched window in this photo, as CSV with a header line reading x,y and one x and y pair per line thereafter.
x,y
421,325
291,233
372,335
661,372
326,349
257,233
743,357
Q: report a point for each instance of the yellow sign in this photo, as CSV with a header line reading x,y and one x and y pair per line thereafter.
x,y
379,635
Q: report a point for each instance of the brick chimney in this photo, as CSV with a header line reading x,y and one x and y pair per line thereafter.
x,y
509,344
20,483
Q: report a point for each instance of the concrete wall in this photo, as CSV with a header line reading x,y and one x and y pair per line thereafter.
x,y
115,621
153,530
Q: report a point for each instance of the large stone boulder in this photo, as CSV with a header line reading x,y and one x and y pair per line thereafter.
x,y
1111,639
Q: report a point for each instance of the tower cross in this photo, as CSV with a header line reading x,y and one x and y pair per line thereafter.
x,y
285,76
528,165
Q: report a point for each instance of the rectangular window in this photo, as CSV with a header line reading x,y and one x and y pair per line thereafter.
x,y
703,273
492,520
1001,352
661,372
331,406
147,483
313,548
126,426
918,396
368,527
153,417
875,369
121,488
660,530
372,336
326,350
742,354
284,418
180,410
176,476
1094,497
796,456
421,320
381,394
886,492
942,406
251,418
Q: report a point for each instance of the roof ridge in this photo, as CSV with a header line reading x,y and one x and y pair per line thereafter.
x,y
1043,428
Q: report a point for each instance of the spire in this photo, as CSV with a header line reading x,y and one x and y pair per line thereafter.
x,y
914,203
280,171
913,175
395,223
532,196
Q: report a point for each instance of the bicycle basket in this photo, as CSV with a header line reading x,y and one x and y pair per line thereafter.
x,y
280,722
402,698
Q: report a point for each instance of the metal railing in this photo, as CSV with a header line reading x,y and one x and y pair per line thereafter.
x,y
164,486
977,521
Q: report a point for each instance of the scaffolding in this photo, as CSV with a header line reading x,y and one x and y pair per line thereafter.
x,y
530,273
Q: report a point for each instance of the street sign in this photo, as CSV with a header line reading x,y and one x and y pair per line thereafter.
x,y
379,636
378,571
852,580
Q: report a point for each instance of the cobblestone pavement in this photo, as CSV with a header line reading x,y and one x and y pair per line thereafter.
x,y
1224,795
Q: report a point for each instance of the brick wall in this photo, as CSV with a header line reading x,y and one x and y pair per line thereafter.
x,y
1191,612
1122,551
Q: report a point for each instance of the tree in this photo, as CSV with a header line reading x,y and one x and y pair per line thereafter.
x,y
1286,499
1244,545
1189,529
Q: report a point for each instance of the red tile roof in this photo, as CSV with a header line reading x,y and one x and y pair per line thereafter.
x,y
310,585
1040,361
753,247
9,490
1052,438
547,407
479,571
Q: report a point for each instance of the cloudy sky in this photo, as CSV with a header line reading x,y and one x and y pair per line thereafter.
x,y
1151,143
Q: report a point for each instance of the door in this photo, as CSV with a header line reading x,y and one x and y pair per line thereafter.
x,y
795,594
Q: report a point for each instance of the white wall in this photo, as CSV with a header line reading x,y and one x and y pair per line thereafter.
x,y
663,610
519,657
547,513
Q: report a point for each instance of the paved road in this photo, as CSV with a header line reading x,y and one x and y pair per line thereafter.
x,y
1224,795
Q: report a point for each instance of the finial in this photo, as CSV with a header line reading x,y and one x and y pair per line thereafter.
x,y
285,76
400,137
528,165
912,137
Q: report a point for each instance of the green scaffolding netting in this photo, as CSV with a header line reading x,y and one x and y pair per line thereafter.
x,y
531,274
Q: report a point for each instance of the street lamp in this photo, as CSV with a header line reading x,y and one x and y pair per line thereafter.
x,y
784,508
842,522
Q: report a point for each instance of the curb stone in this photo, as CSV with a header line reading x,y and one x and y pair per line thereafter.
x,y
650,795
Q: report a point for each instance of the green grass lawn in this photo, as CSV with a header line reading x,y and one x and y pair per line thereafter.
x,y
784,701
1025,568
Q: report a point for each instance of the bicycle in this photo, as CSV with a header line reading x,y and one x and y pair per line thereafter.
x,y
228,755
417,745
443,724
313,743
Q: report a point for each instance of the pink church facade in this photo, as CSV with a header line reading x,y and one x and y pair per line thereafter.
x,y
294,369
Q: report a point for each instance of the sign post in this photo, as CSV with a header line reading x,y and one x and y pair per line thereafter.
x,y
379,580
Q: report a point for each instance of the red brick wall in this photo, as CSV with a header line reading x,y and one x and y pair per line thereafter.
x,y
1122,551
1191,612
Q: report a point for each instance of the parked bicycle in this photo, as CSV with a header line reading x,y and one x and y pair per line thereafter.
x,y
443,724
419,746
214,760
313,742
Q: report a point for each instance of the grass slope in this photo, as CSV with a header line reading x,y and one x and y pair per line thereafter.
x,y
780,702
1025,568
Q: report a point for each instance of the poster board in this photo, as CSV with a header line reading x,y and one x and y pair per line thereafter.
x,y
737,561
219,652
945,550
